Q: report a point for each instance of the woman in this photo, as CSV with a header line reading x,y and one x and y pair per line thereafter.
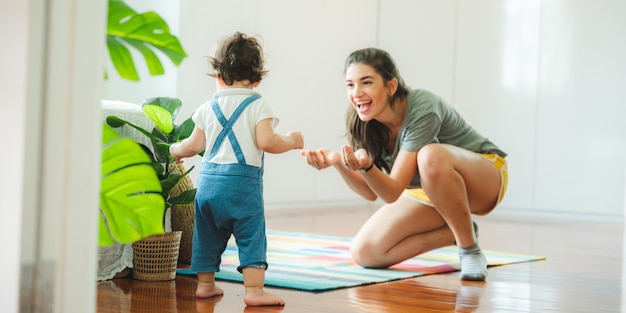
x,y
417,154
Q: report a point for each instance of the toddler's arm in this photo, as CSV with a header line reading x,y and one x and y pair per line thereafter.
x,y
190,146
271,142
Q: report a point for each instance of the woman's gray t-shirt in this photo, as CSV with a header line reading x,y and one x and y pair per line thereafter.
x,y
429,119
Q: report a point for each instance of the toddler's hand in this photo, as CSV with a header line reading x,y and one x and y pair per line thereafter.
x,y
176,157
297,139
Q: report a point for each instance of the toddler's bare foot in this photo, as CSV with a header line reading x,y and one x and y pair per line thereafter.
x,y
207,290
258,297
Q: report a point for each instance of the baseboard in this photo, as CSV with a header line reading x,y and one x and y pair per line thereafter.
x,y
320,206
552,216
507,213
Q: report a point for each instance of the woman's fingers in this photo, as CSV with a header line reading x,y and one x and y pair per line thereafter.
x,y
317,158
354,160
349,159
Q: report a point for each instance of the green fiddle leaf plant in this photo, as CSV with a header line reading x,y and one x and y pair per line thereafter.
x,y
146,33
162,111
130,209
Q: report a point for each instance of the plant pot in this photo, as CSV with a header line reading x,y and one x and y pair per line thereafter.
x,y
183,216
155,258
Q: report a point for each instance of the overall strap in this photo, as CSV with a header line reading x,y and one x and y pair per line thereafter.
x,y
227,125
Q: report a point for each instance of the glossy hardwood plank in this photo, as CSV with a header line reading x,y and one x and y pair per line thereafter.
x,y
582,273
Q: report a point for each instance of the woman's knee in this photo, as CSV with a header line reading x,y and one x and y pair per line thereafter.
x,y
432,161
365,254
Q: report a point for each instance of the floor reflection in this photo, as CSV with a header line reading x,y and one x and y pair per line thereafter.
x,y
207,305
175,296
468,296
457,296
144,294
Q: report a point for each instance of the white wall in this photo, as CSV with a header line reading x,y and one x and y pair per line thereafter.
x,y
542,79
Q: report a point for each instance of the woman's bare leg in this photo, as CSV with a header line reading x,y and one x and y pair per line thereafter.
x,y
459,183
399,231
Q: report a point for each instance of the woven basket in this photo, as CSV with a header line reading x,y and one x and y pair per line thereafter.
x,y
183,216
155,258
182,220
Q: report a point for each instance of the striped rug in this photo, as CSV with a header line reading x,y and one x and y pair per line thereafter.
x,y
317,263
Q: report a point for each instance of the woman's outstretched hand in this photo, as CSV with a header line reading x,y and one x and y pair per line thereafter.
x,y
321,158
354,160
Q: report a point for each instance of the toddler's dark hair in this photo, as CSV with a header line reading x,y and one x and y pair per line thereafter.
x,y
239,58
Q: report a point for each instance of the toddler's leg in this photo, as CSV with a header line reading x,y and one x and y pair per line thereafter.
x,y
206,286
253,280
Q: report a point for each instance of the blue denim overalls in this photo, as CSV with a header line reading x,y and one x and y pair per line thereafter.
x,y
229,200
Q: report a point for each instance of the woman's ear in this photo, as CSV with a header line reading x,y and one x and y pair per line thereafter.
x,y
392,87
255,85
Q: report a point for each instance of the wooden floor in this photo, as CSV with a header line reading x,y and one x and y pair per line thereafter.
x,y
582,273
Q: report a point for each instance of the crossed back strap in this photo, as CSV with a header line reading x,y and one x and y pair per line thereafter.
x,y
227,129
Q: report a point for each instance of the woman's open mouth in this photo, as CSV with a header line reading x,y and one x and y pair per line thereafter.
x,y
363,107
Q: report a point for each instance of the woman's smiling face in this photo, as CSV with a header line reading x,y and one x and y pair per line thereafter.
x,y
366,91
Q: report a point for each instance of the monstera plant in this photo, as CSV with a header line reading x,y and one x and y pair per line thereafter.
x,y
131,203
133,198
146,33
177,188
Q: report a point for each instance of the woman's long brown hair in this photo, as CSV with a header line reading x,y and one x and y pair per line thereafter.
x,y
373,136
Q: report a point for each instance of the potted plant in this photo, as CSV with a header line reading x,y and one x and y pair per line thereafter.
x,y
122,221
177,188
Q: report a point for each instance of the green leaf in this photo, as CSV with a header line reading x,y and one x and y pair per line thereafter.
x,y
170,105
146,32
160,116
161,147
169,182
104,236
152,60
115,122
183,130
122,59
186,197
131,203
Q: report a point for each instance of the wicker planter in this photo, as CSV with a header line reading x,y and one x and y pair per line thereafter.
x,y
155,258
183,216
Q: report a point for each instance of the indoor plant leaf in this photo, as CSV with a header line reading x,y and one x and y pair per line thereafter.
x,y
162,111
152,60
115,122
186,197
183,130
122,59
160,116
145,32
131,203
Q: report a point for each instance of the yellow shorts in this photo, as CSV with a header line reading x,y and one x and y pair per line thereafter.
x,y
420,196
